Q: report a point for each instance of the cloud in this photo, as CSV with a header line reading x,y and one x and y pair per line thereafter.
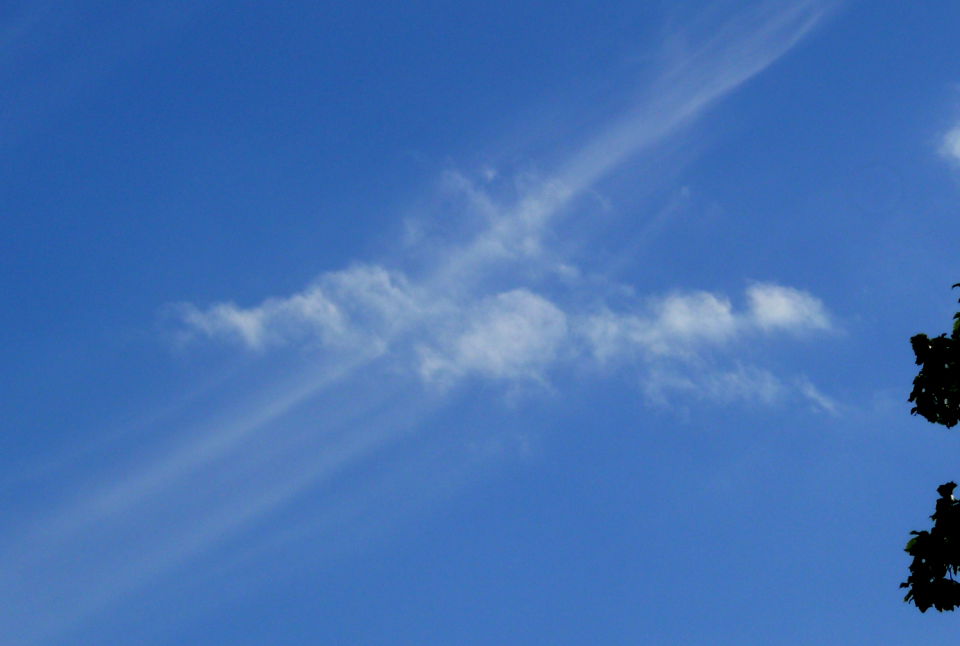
x,y
950,146
681,324
667,385
729,54
726,56
817,398
690,346
684,346
512,335
675,324
751,385
360,306
775,307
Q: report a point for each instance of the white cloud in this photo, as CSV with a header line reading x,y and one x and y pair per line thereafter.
x,y
775,307
695,316
817,398
361,305
682,345
950,146
513,335
676,324
681,324
744,383
669,385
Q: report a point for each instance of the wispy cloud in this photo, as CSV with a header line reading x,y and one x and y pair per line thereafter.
x,y
483,307
819,400
665,385
377,306
726,55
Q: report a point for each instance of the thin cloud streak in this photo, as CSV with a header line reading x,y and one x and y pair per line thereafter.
x,y
738,51
97,564
204,446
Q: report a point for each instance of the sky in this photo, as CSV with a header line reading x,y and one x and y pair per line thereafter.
x,y
471,323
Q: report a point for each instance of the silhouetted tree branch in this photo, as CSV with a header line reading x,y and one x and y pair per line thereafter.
x,y
936,553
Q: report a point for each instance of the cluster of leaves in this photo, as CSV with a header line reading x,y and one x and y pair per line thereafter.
x,y
936,553
936,390
936,557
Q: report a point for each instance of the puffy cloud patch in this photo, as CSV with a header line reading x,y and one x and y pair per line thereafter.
x,y
360,305
676,324
683,324
512,335
676,342
775,307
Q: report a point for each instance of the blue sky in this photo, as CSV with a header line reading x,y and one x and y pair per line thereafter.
x,y
449,323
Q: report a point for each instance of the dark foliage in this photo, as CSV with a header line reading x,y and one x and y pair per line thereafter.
x,y
936,557
936,390
936,553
